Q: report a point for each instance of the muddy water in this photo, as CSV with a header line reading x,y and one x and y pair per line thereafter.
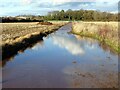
x,y
62,60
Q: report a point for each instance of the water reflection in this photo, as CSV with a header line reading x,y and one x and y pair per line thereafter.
x,y
39,43
73,45
70,44
101,45
107,48
62,60
81,75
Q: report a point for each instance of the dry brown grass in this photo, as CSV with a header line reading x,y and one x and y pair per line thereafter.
x,y
16,32
104,31
93,27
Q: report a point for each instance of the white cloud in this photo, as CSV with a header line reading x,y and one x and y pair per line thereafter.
x,y
26,2
16,7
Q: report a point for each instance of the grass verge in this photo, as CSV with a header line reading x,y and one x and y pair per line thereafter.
x,y
104,32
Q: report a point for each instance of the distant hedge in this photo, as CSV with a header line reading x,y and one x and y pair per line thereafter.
x,y
19,20
69,15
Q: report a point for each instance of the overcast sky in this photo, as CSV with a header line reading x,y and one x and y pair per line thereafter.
x,y
42,7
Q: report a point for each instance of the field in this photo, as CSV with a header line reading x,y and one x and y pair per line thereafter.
x,y
17,36
16,32
106,32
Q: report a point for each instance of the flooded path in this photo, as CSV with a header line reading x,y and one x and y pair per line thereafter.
x,y
62,60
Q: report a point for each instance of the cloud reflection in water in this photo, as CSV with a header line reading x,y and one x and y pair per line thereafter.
x,y
70,44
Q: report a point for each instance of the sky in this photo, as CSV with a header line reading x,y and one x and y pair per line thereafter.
x,y
42,7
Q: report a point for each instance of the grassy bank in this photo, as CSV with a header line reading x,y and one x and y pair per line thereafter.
x,y
18,36
105,32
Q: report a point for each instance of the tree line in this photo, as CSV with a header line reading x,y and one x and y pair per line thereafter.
x,y
83,15
23,18
69,15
